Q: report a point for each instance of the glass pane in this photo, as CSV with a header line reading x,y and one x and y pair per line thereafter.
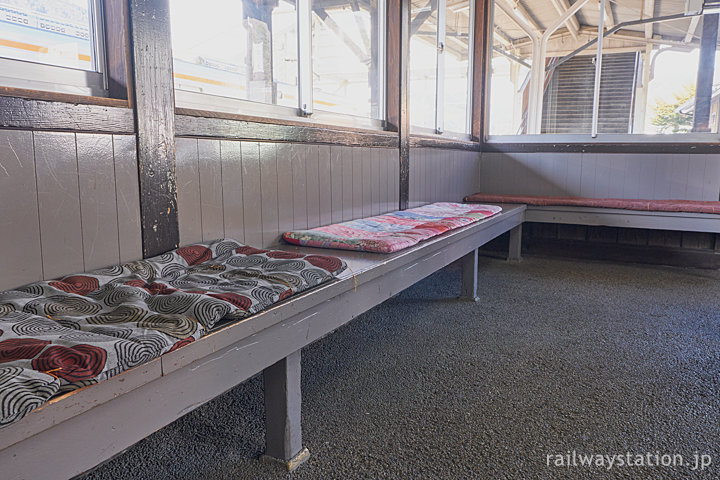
x,y
457,56
663,89
423,62
346,55
221,48
52,32
509,76
649,83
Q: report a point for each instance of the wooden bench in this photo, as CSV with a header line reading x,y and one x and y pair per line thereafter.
x,y
615,217
549,210
76,432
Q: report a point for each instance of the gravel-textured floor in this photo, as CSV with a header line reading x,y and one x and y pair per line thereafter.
x,y
558,356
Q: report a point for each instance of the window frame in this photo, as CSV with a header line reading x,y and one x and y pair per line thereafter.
x,y
28,75
440,42
304,112
575,142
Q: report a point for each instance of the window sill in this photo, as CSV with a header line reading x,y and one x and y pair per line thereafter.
x,y
651,144
62,97
33,110
436,141
201,123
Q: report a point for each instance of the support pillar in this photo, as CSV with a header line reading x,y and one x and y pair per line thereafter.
x,y
470,276
706,71
515,244
641,93
283,398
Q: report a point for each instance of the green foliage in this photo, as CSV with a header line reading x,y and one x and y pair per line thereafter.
x,y
667,117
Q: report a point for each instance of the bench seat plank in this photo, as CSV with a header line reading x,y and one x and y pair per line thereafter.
x,y
664,205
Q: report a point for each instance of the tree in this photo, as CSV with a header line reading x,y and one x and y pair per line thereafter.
x,y
668,117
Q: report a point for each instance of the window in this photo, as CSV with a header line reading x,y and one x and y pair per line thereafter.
x,y
439,65
311,56
347,52
457,68
423,62
224,49
607,68
52,45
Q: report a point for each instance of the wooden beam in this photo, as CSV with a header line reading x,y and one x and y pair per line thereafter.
x,y
502,37
198,123
609,16
572,24
392,81
155,120
398,109
421,17
482,56
117,39
692,28
706,73
437,141
648,11
64,112
522,10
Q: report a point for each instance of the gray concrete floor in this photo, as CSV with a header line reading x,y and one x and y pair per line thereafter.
x,y
557,356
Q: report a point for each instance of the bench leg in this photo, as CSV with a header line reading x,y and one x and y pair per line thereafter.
x,y
283,432
515,244
470,276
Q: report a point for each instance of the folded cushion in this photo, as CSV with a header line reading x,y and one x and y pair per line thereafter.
x,y
689,206
392,231
59,335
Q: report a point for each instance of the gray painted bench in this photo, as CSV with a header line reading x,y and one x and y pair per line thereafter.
x,y
611,217
76,432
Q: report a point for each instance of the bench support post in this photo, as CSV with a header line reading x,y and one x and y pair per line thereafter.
x,y
470,276
515,244
283,398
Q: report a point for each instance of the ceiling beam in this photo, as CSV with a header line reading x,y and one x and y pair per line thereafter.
x,y
648,11
520,8
421,17
694,21
609,16
362,54
502,37
572,24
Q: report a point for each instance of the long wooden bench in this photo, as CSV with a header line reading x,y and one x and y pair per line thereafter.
x,y
615,217
599,212
75,432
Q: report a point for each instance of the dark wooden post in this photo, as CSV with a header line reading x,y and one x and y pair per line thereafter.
x,y
155,120
398,120
706,71
481,58
283,399
117,38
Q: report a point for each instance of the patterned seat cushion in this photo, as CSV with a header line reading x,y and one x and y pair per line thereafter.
x,y
56,336
393,231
